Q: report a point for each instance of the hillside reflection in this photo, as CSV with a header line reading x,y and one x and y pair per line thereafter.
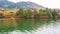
x,y
9,25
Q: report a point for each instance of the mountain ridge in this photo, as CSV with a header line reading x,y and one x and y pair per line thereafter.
x,y
22,4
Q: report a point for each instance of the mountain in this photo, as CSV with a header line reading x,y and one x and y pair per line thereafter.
x,y
5,3
25,5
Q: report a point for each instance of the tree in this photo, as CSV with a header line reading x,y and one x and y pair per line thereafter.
x,y
49,12
54,13
20,12
29,13
42,12
36,13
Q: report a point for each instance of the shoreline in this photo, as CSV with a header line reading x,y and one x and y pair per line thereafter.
x,y
30,17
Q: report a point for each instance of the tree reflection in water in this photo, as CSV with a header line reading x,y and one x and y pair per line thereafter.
x,y
10,25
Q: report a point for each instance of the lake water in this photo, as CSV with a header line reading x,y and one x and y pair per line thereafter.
x,y
29,26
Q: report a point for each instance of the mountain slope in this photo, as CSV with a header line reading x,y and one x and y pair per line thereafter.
x,y
25,5
5,3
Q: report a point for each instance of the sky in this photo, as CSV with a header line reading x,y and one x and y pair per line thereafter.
x,y
45,3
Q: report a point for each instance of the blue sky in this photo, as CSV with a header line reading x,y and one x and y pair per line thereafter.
x,y
46,3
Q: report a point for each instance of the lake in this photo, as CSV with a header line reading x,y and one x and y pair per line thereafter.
x,y
29,26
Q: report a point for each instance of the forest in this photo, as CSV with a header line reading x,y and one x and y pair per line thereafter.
x,y
29,13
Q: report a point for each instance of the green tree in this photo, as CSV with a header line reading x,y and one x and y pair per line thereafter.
x,y
29,13
36,13
54,13
49,12
20,12
42,12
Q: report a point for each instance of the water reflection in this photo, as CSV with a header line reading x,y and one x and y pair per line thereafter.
x,y
23,25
